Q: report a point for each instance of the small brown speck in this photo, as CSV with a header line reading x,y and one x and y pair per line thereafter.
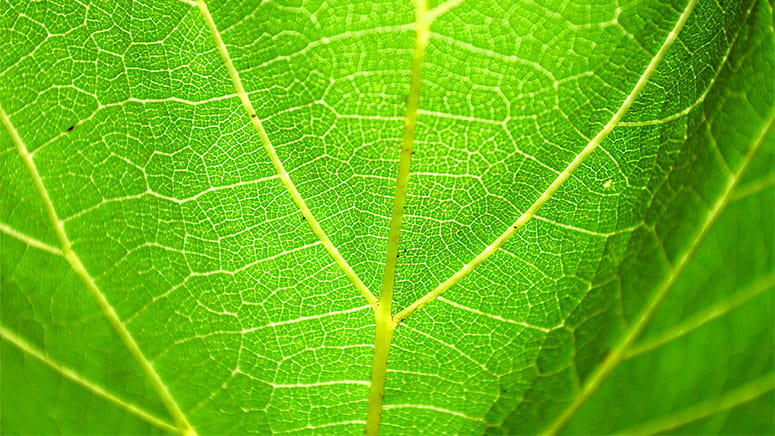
x,y
70,129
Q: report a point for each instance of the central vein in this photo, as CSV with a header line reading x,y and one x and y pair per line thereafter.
x,y
383,317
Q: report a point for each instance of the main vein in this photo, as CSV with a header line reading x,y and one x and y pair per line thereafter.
x,y
184,427
622,349
285,178
561,178
77,378
383,315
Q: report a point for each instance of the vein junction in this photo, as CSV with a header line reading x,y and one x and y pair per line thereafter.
x,y
385,320
285,178
385,325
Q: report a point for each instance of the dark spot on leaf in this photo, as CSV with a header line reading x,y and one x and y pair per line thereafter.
x,y
70,129
252,115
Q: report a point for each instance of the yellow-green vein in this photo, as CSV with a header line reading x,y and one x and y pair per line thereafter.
x,y
753,187
727,401
29,240
707,315
184,427
84,382
620,351
383,315
561,178
285,178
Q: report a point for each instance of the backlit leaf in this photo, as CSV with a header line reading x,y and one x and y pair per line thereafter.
x,y
452,217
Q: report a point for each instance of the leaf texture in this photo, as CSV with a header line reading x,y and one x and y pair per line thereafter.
x,y
455,217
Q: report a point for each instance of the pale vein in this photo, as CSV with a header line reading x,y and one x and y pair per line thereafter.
x,y
620,351
727,401
561,178
275,158
709,314
29,240
84,382
91,286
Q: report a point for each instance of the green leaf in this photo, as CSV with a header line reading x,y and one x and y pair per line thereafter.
x,y
453,217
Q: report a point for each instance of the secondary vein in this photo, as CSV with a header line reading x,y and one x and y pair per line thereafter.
x,y
528,215
723,307
89,385
29,240
285,178
184,427
727,401
621,350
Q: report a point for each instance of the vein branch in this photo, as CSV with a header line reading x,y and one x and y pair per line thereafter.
x,y
561,178
18,342
184,427
443,9
277,163
622,349
729,400
713,312
29,240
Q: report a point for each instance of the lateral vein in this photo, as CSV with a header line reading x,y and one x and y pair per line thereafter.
x,y
727,401
621,350
29,240
711,313
184,427
560,179
84,382
285,178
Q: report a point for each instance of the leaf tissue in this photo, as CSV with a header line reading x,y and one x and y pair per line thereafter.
x,y
391,217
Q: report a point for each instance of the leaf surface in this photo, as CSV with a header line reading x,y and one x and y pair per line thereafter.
x,y
222,217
